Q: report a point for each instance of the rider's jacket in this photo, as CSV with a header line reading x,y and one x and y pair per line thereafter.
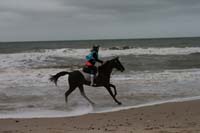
x,y
92,58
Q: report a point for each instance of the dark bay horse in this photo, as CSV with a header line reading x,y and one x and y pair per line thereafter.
x,y
76,79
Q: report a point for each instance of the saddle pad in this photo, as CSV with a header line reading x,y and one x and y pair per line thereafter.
x,y
86,75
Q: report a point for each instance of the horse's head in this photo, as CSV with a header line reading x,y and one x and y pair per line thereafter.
x,y
117,64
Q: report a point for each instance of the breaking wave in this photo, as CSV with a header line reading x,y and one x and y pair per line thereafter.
x,y
48,56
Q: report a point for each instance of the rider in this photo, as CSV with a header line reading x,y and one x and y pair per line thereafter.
x,y
92,58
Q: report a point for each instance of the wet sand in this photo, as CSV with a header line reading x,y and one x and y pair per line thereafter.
x,y
177,117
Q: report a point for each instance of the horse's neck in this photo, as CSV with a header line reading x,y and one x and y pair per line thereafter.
x,y
106,70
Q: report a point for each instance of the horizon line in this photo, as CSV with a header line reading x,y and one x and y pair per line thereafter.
x,y
101,39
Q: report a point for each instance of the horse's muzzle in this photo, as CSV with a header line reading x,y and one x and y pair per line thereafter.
x,y
122,69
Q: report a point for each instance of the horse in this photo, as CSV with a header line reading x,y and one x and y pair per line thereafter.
x,y
76,79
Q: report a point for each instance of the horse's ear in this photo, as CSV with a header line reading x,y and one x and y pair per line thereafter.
x,y
117,57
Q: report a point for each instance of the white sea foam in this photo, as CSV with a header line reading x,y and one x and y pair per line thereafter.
x,y
85,110
40,77
42,113
30,59
152,51
166,75
173,84
150,104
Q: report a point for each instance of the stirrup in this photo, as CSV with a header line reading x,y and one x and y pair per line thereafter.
x,y
93,85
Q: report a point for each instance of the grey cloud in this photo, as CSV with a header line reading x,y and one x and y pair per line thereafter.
x,y
134,10
85,19
133,6
99,8
30,5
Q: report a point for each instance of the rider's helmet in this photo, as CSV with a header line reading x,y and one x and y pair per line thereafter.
x,y
95,48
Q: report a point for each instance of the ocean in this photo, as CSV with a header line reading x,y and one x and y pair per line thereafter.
x,y
157,71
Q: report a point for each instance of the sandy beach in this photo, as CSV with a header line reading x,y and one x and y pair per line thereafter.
x,y
177,117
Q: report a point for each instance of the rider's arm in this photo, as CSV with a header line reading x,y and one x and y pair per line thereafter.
x,y
96,58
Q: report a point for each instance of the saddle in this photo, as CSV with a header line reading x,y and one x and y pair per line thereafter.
x,y
86,72
86,75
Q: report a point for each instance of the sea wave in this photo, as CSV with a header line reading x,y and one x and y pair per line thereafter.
x,y
28,93
49,56
166,75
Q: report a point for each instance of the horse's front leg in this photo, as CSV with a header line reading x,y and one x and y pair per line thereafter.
x,y
115,91
111,93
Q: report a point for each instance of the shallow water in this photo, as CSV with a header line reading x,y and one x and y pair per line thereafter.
x,y
154,73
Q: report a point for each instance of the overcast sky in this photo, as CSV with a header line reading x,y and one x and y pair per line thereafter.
x,y
32,20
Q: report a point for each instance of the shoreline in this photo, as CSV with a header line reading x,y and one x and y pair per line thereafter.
x,y
62,114
179,117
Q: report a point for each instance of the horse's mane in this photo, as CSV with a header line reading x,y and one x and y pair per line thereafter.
x,y
105,65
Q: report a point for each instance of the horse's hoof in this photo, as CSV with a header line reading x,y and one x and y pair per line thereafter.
x,y
93,104
119,103
66,101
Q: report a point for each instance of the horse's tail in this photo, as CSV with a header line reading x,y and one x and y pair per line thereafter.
x,y
54,78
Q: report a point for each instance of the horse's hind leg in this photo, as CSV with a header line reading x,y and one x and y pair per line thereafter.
x,y
83,94
69,92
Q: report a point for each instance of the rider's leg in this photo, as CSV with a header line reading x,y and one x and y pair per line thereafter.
x,y
92,79
93,75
